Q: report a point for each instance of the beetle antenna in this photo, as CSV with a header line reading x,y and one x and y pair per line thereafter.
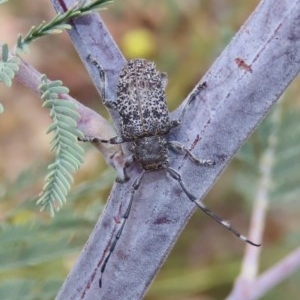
x,y
201,206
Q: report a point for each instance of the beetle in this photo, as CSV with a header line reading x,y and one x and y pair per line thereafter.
x,y
145,123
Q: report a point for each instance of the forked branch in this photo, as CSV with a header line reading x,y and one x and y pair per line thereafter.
x,y
224,116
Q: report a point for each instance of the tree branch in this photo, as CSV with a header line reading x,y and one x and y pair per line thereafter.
x,y
90,122
91,38
255,289
242,85
243,287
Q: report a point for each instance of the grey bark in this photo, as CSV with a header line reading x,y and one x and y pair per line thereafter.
x,y
242,85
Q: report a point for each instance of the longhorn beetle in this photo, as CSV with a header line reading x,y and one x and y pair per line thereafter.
x,y
145,123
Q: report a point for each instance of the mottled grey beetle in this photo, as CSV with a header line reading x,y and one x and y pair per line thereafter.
x,y
145,122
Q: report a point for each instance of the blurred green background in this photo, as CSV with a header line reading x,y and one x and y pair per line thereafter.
x,y
183,38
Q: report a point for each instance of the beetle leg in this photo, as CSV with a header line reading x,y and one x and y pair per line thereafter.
x,y
199,88
134,188
94,139
108,103
180,148
128,161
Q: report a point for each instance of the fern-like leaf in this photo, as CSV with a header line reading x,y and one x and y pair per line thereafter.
x,y
283,135
68,153
8,66
59,23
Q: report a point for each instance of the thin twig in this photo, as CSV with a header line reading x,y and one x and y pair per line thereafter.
x,y
244,284
275,275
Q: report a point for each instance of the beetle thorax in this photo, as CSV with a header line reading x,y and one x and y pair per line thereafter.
x,y
151,152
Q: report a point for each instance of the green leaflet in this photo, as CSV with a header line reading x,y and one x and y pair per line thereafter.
x,y
68,153
58,23
281,134
8,66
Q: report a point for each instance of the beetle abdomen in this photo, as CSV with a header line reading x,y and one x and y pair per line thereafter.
x,y
141,100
